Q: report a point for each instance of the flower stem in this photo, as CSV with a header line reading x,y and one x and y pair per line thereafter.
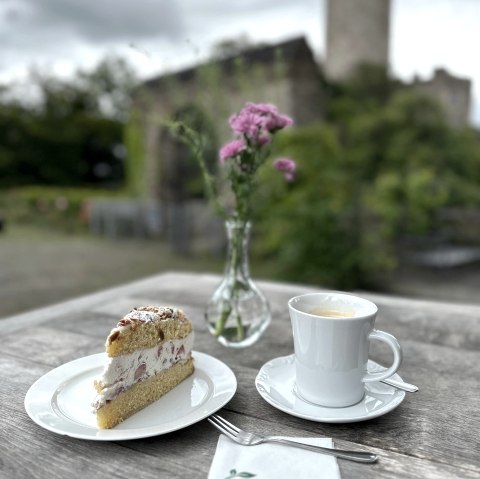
x,y
220,325
240,328
234,271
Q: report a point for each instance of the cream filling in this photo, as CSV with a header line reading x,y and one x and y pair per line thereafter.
x,y
122,372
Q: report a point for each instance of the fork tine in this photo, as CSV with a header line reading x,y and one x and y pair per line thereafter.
x,y
234,429
218,421
222,429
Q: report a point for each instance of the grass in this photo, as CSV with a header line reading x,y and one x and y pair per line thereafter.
x,y
41,267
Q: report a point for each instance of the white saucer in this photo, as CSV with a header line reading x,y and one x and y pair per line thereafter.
x,y
60,400
276,384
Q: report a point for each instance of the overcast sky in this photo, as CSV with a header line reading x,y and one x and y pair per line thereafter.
x,y
165,35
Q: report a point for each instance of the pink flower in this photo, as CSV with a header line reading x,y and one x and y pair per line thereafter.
x,y
231,149
261,108
257,121
283,121
264,138
272,119
246,123
287,166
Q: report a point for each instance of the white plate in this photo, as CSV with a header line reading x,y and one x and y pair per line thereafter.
x,y
60,400
276,384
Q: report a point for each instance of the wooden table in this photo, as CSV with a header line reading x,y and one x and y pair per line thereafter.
x,y
433,433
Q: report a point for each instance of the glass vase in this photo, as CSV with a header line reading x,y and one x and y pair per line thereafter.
x,y
237,313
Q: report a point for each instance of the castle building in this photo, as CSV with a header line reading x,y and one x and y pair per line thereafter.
x,y
358,32
286,74
453,94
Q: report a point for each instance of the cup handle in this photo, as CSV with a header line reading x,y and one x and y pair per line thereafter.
x,y
397,356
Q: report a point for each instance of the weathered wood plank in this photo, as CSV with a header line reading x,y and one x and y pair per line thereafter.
x,y
447,401
438,323
433,433
83,303
444,324
439,423
29,451
390,464
159,455
94,325
49,346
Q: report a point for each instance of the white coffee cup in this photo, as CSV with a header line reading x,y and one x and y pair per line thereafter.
x,y
331,336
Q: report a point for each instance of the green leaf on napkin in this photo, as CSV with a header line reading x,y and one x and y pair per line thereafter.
x,y
234,473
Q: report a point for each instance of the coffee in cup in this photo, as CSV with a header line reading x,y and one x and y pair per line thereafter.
x,y
331,336
331,313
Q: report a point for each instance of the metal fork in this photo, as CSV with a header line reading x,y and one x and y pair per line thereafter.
x,y
249,439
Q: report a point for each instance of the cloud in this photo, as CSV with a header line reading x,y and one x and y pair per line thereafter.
x,y
222,8
91,20
162,35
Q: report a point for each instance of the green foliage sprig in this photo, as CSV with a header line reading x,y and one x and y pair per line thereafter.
x,y
254,127
197,143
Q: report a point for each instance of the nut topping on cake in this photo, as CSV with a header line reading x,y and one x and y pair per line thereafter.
x,y
113,336
147,314
158,323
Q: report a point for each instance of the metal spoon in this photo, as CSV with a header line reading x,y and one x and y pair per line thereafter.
x,y
400,385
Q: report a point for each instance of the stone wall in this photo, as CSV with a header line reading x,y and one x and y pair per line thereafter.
x,y
289,79
357,33
451,92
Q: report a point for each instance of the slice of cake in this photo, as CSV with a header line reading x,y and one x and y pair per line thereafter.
x,y
150,352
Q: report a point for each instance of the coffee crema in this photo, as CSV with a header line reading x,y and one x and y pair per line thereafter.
x,y
331,313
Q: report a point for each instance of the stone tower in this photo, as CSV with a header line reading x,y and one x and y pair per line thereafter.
x,y
357,32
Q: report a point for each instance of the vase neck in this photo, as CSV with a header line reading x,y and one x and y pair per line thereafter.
x,y
238,235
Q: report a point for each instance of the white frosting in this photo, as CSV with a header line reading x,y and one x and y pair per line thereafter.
x,y
121,372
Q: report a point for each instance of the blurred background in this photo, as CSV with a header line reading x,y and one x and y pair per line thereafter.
x,y
385,95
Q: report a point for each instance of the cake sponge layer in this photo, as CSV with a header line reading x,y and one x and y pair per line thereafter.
x,y
142,394
146,327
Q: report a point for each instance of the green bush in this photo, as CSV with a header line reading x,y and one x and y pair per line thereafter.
x,y
64,209
62,152
367,179
315,229
72,135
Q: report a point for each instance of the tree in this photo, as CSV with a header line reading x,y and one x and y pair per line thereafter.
x,y
73,134
111,83
376,172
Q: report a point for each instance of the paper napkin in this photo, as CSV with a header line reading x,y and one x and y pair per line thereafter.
x,y
272,461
